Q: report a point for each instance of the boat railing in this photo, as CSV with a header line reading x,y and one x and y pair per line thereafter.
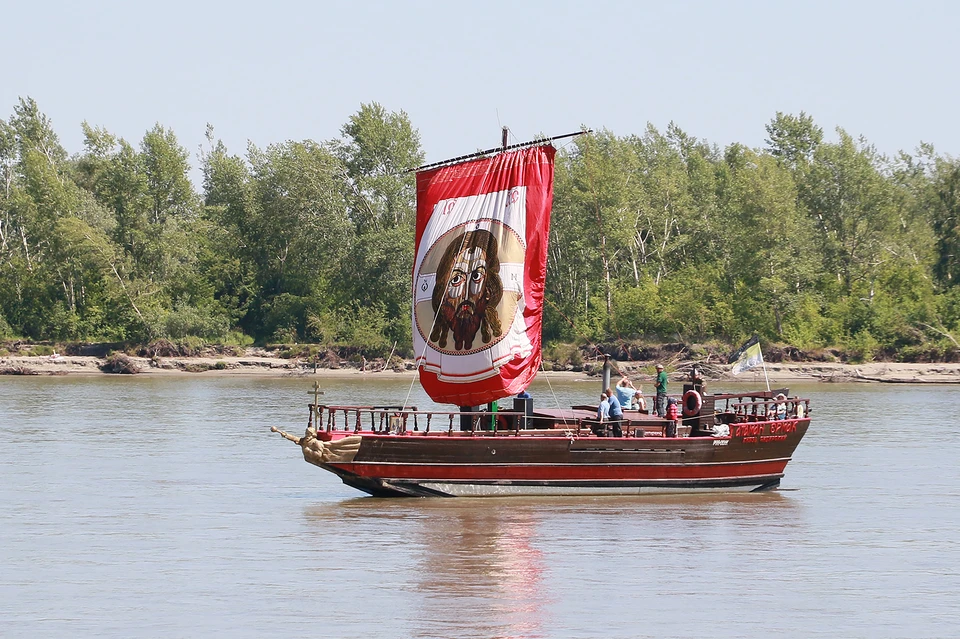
x,y
769,409
404,419
401,419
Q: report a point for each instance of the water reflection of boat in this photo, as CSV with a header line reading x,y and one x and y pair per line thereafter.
x,y
480,571
488,553
480,262
529,567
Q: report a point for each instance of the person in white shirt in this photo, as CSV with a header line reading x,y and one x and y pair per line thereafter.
x,y
638,403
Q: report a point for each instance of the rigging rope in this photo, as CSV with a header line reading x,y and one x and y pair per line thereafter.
x,y
556,400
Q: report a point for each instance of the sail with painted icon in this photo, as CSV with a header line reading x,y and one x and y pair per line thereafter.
x,y
478,275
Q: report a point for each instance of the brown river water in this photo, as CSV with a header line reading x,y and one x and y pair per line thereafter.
x,y
163,507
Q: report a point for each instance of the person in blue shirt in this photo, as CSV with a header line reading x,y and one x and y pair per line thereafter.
x,y
625,391
603,408
616,413
603,416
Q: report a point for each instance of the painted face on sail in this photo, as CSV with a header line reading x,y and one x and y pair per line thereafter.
x,y
467,281
467,302
465,298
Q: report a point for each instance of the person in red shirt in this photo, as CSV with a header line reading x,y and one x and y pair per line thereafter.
x,y
673,415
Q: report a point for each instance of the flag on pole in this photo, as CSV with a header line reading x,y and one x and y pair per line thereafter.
x,y
747,357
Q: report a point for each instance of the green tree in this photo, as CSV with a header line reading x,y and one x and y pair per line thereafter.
x,y
793,138
852,204
378,149
296,232
38,290
227,254
943,203
592,221
154,208
770,261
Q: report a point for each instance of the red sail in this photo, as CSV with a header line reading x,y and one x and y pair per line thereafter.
x,y
478,275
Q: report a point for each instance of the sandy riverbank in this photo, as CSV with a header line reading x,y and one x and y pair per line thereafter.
x,y
276,367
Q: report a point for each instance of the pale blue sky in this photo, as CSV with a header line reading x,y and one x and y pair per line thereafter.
x,y
272,71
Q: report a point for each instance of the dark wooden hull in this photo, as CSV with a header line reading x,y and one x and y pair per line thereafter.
x,y
753,458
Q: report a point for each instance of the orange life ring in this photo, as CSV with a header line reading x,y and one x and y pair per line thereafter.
x,y
692,402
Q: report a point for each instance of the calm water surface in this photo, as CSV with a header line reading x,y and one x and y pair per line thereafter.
x,y
157,507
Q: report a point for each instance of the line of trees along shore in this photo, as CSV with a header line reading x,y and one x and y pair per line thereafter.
x,y
658,236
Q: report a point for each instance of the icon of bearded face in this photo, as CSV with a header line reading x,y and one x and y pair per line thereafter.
x,y
467,291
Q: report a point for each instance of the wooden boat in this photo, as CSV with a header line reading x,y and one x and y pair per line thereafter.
x,y
735,442
477,305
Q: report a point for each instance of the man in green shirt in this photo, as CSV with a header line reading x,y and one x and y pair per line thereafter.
x,y
661,391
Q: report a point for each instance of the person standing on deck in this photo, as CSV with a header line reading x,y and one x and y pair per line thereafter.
x,y
616,413
625,391
673,414
603,408
603,415
661,391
